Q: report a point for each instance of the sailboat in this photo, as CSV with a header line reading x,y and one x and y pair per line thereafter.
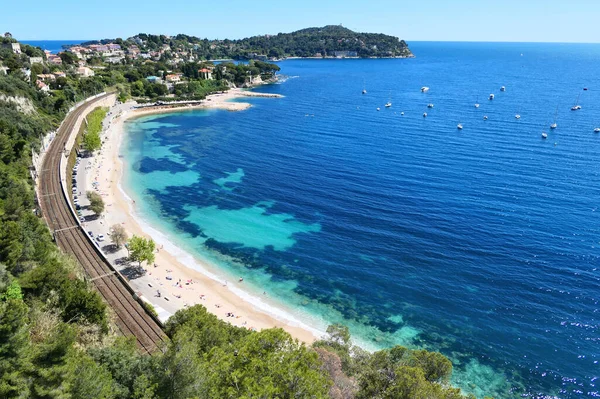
x,y
554,125
389,103
364,88
576,106
477,102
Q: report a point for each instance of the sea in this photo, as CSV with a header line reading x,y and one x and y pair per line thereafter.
x,y
481,243
54,46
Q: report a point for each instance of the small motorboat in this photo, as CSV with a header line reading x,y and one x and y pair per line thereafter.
x,y
485,118
544,135
364,91
401,113
424,89
517,116
459,126
585,89
429,105
597,130
424,114
492,96
378,109
387,105
476,105
503,88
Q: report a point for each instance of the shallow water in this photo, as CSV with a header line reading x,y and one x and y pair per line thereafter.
x,y
480,243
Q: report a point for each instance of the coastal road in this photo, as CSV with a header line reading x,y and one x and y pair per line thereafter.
x,y
129,316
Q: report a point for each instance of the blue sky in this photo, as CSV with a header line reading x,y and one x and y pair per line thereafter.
x,y
460,20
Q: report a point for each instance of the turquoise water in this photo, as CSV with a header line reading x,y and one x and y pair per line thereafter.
x,y
480,243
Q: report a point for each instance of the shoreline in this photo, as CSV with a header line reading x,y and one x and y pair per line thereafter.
x,y
182,279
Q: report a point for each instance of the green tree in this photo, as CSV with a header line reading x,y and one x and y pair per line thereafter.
x,y
96,202
141,249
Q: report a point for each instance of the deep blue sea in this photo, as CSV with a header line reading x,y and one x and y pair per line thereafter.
x,y
54,46
483,244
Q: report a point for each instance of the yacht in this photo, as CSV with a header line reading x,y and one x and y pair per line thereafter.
x,y
492,96
597,130
517,116
424,89
576,107
429,105
503,88
544,135
554,125
459,126
388,104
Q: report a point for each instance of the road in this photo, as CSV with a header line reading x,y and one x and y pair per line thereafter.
x,y
130,317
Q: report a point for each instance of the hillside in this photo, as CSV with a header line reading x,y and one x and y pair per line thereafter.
x,y
329,41
325,41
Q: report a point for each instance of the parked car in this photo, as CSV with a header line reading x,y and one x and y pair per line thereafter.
x,y
100,237
91,233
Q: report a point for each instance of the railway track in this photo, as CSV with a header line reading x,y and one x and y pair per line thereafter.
x,y
131,318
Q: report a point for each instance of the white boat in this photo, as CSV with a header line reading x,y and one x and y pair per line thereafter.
x,y
459,126
576,107
378,109
424,89
554,125
477,102
503,88
485,118
424,114
388,104
364,91
401,113
429,105
544,135
476,105
492,96
517,116
597,130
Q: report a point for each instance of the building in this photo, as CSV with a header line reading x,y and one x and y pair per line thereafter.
x,y
84,72
205,73
54,59
44,77
154,79
344,54
36,60
60,74
174,78
42,86
15,47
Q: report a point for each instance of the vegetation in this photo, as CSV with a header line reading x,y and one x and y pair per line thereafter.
x,y
118,235
141,249
91,137
96,202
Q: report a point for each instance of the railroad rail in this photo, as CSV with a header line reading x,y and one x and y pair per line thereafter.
x,y
131,318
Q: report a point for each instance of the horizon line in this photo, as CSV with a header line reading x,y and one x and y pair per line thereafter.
x,y
406,40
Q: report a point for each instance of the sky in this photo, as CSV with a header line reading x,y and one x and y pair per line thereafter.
x,y
411,20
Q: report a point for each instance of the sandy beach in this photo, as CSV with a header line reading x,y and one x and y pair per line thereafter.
x,y
178,284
